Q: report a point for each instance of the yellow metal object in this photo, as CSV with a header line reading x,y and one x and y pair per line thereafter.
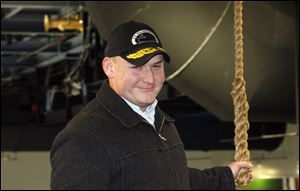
x,y
72,23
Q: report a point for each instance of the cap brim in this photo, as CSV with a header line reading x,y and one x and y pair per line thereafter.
x,y
142,56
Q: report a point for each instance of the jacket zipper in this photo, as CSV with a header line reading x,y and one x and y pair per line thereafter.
x,y
159,130
165,148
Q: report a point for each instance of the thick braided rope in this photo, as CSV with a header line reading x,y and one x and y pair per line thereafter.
x,y
240,98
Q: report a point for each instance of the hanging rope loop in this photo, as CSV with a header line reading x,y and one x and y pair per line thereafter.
x,y
238,93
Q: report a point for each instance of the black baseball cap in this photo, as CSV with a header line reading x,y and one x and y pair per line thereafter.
x,y
135,42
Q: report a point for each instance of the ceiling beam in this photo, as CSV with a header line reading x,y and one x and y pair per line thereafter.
x,y
39,4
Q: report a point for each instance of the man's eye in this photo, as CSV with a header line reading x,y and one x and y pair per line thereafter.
x,y
137,67
157,66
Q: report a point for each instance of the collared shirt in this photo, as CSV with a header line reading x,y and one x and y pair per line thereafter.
x,y
148,114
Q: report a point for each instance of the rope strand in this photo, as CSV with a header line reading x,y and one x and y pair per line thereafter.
x,y
238,93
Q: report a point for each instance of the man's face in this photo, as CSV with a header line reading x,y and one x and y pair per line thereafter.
x,y
139,85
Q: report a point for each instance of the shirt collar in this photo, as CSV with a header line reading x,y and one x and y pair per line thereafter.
x,y
136,108
148,114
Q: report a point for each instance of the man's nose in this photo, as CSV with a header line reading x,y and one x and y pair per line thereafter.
x,y
148,76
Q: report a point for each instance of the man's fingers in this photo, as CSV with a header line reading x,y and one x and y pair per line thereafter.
x,y
245,165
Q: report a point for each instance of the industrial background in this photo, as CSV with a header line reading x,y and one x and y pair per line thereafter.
x,y
51,53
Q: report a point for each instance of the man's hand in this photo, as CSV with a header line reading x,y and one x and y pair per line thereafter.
x,y
237,166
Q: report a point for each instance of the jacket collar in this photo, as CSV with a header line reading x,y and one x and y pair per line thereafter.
x,y
115,105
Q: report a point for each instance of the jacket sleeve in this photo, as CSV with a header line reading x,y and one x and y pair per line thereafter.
x,y
79,161
217,178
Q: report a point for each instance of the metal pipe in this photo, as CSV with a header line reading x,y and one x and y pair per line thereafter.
x,y
271,136
51,43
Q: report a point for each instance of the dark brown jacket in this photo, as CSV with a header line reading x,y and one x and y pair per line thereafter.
x,y
109,146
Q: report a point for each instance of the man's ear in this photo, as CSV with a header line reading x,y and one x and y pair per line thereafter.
x,y
108,67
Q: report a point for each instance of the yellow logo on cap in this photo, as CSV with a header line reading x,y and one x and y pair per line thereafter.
x,y
143,52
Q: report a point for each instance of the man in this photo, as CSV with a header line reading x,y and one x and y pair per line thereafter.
x,y
121,139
